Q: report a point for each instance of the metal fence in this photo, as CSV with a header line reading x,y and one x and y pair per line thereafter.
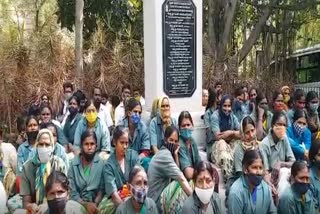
x,y
306,89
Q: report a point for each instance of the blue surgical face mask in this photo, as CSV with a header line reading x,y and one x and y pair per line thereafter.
x,y
300,188
186,134
313,107
135,118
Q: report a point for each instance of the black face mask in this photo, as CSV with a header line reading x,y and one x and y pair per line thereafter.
x,y
57,205
32,136
88,157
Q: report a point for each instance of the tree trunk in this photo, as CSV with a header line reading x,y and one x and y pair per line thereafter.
x,y
254,35
79,41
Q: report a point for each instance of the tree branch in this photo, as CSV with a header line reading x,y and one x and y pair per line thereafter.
x,y
248,44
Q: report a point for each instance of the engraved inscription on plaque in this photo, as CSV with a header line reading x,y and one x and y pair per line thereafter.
x,y
179,48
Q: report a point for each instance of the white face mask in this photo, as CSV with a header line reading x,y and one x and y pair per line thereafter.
x,y
204,194
44,154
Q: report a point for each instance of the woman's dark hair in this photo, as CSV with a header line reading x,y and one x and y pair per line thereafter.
x,y
238,92
298,114
275,95
88,133
80,95
131,104
246,121
118,132
44,106
184,115
134,172
276,116
169,131
310,96
225,98
57,177
48,125
251,89
314,150
88,103
31,118
212,99
297,167
203,166
115,101
298,94
260,97
249,157
73,97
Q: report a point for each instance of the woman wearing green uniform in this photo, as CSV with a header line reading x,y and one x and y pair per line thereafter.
x,y
297,199
211,107
188,152
250,194
139,139
72,121
57,193
116,171
203,199
86,174
92,122
314,157
248,142
36,171
261,116
138,202
168,187
159,124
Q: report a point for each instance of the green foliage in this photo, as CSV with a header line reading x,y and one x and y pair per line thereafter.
x,y
116,16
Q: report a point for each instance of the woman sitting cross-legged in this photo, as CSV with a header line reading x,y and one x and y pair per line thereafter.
x,y
297,199
35,173
168,187
225,128
86,174
203,199
250,194
57,194
139,139
299,136
138,202
116,171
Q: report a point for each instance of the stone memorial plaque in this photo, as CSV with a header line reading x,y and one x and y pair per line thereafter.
x,y
179,48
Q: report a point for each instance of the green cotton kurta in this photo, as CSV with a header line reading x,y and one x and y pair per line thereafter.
x,y
70,127
315,185
185,157
276,152
28,176
162,170
240,199
114,178
156,131
141,139
215,120
209,133
290,203
84,187
193,205
127,208
239,154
